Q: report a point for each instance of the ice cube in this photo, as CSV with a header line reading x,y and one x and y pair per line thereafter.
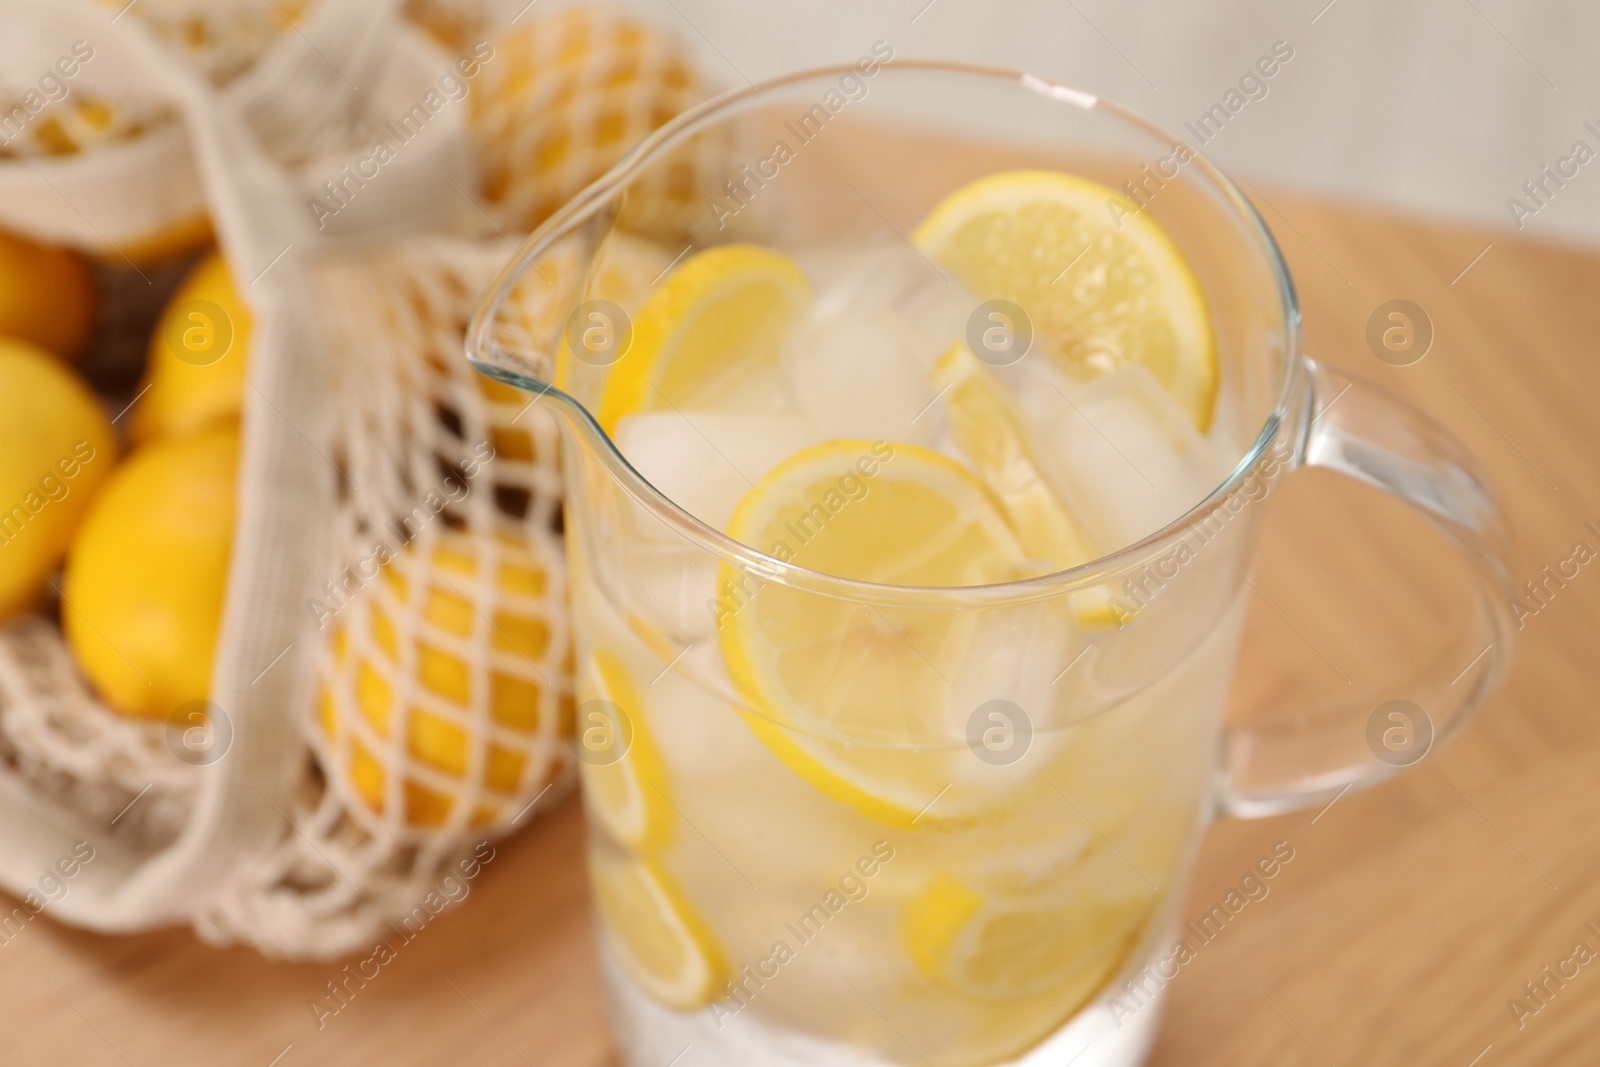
x,y
861,373
706,461
853,277
668,587
940,310
1118,448
756,387
890,277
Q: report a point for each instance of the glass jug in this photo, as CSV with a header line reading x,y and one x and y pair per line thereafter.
x,y
790,866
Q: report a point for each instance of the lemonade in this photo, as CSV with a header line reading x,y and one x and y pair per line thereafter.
x,y
853,819
912,493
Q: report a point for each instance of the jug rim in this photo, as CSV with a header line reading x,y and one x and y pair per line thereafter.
x,y
578,419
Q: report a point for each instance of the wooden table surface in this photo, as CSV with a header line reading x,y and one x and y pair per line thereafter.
x,y
1410,915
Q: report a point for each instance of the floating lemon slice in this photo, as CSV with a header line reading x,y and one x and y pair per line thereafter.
x,y
843,669
986,426
663,942
1100,287
1005,948
711,328
988,429
628,798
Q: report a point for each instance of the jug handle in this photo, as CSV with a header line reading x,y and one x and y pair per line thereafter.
x,y
1282,762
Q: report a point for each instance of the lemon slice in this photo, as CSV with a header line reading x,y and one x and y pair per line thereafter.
x,y
1067,944
709,330
986,426
627,798
988,429
1101,287
663,942
858,678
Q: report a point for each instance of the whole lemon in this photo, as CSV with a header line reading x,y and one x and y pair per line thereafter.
x,y
413,669
55,449
46,296
145,578
180,237
560,98
199,354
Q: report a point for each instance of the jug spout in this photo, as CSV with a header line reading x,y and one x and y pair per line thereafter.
x,y
519,328
561,314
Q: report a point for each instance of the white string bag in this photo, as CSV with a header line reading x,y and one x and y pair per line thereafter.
x,y
126,155
354,355
135,185
414,415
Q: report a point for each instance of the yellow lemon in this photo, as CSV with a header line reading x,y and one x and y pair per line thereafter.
x,y
662,940
56,448
430,655
46,296
1065,943
563,97
628,796
844,670
171,241
199,356
147,573
1098,293
712,327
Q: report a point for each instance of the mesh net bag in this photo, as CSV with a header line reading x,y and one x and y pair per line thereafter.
x,y
393,677
443,664
444,693
56,738
443,697
71,131
102,158
219,40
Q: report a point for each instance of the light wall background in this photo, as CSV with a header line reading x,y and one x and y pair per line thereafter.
x,y
1435,107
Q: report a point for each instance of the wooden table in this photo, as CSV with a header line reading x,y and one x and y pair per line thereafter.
x,y
1409,916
